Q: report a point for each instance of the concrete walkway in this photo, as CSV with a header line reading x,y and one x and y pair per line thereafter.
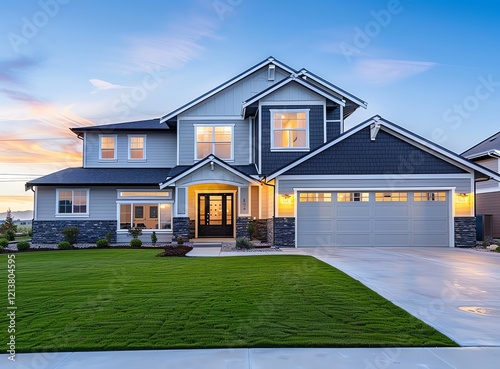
x,y
432,284
352,358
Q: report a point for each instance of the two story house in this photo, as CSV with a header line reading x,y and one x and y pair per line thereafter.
x,y
268,146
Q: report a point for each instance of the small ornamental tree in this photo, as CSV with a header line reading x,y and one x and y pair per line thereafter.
x,y
8,227
154,238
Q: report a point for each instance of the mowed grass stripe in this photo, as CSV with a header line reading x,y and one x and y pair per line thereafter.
x,y
128,299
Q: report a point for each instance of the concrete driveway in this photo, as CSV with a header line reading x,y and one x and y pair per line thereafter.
x,y
457,291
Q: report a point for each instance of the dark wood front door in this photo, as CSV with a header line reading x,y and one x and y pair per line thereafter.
x,y
215,215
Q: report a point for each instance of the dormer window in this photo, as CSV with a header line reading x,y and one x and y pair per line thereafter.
x,y
214,139
107,145
290,129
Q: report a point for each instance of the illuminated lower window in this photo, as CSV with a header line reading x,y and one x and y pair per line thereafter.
x,y
429,196
315,197
353,196
146,216
391,196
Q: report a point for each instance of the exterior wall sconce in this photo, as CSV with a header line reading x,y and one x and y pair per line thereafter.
x,y
286,199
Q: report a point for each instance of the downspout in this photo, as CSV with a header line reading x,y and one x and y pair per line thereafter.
x,y
274,205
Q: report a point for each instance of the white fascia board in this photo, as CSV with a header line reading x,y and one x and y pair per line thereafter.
x,y
374,176
216,90
201,164
332,87
491,153
285,82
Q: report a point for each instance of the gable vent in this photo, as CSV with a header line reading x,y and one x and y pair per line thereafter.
x,y
270,72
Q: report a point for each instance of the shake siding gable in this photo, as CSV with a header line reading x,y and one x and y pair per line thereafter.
x,y
272,161
357,154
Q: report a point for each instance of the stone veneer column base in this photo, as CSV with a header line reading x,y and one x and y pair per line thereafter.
x,y
50,231
465,231
284,232
242,226
181,227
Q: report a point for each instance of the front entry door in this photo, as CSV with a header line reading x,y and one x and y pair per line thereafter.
x,y
215,215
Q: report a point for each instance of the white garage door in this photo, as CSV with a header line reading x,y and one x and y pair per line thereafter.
x,y
373,218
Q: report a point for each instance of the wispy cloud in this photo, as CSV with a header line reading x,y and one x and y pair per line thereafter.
x,y
174,47
101,85
12,69
20,96
389,70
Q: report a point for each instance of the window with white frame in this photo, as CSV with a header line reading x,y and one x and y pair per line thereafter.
x,y
214,139
353,196
72,202
107,147
145,216
290,129
137,147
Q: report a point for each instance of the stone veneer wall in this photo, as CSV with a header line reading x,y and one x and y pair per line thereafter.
x,y
260,227
242,226
465,231
181,226
284,232
50,231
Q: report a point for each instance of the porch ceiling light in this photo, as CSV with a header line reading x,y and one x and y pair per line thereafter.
x,y
212,165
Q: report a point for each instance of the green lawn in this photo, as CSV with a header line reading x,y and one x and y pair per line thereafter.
x,y
128,299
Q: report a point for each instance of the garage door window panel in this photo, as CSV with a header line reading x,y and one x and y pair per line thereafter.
x,y
391,196
353,197
429,196
315,197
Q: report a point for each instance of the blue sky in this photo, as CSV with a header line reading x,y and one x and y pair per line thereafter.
x,y
429,66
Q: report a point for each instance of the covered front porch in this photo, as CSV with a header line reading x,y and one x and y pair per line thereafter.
x,y
216,200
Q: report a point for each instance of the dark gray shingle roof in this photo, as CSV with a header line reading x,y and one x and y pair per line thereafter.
x,y
103,176
490,144
151,124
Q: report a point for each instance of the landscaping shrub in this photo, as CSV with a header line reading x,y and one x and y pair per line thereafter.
x,y
71,234
154,238
243,243
10,235
4,242
135,243
1,248
180,240
23,245
498,249
102,243
109,237
135,232
64,245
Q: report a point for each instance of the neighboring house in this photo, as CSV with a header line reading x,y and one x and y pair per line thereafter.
x,y
267,146
487,153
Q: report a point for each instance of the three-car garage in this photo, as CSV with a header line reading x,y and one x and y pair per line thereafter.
x,y
374,218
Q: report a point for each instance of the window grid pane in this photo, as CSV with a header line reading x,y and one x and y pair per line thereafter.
x,y
353,196
391,196
137,147
216,140
315,197
429,196
107,147
290,130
